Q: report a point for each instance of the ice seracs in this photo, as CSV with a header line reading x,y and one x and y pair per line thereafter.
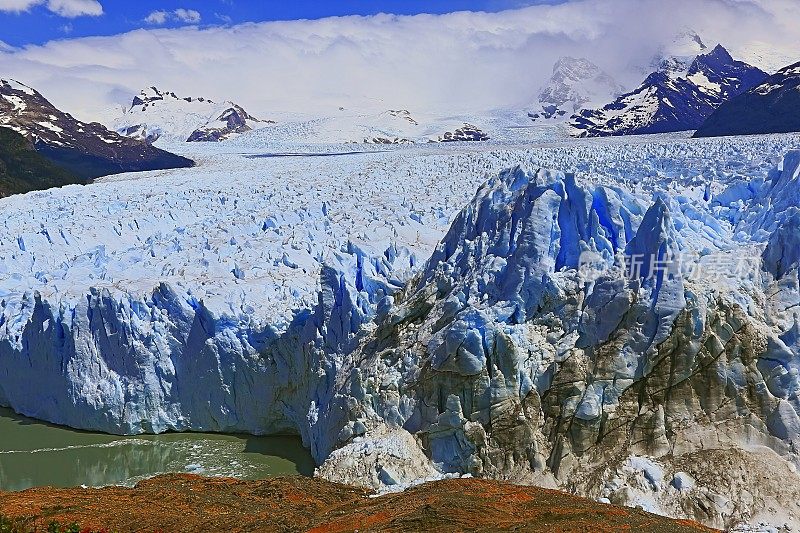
x,y
506,361
580,322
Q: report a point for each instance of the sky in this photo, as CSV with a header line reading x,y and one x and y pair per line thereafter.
x,y
489,54
26,22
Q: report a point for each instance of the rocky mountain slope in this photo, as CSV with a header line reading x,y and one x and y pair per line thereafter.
x,y
22,169
671,99
190,503
232,121
155,114
576,83
772,107
87,150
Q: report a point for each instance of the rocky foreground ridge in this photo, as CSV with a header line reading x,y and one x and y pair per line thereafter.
x,y
189,503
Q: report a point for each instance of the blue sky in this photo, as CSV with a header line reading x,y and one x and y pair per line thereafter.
x,y
37,21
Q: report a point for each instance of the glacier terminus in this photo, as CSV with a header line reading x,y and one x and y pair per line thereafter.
x,y
613,317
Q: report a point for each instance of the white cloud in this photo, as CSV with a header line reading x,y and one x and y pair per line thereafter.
x,y
157,17
75,8
16,6
64,8
226,19
189,16
448,63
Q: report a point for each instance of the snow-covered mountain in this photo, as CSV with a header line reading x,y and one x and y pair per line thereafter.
x,y
671,100
574,85
675,58
155,114
232,121
393,126
86,149
772,107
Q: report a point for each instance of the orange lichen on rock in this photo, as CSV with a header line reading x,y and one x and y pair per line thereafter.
x,y
186,503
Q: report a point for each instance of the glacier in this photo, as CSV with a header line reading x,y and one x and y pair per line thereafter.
x,y
409,327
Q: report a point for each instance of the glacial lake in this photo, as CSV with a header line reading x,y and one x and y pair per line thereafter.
x,y
34,454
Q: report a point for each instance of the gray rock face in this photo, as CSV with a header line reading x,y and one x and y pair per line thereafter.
x,y
232,121
466,133
672,99
771,107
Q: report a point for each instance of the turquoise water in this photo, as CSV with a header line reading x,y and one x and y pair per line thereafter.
x,y
34,454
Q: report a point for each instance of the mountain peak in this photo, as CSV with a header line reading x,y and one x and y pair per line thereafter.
x,y
574,65
718,55
674,99
156,113
687,43
675,57
575,83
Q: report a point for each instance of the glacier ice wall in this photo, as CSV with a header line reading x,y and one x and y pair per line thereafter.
x,y
170,363
562,332
588,331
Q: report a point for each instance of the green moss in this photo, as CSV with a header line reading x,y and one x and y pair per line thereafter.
x,y
33,525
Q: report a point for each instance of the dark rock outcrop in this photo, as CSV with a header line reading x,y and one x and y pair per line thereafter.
x,y
232,121
466,133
